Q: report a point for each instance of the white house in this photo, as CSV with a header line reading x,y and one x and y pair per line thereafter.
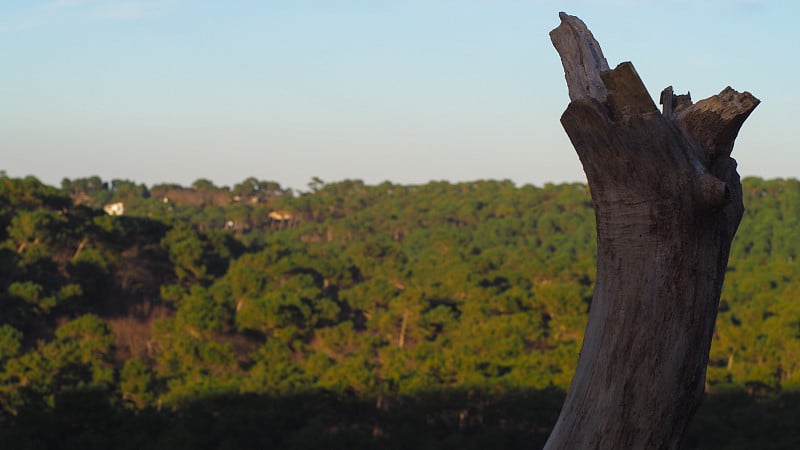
x,y
114,209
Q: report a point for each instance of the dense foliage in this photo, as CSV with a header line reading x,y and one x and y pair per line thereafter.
x,y
434,316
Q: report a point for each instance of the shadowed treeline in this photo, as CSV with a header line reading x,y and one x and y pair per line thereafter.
x,y
457,419
450,419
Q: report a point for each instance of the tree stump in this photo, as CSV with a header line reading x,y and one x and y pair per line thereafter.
x,y
668,201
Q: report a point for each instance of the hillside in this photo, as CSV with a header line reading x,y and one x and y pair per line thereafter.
x,y
433,316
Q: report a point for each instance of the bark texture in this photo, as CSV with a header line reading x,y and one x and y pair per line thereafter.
x,y
668,201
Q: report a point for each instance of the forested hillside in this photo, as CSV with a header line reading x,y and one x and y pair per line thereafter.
x,y
348,316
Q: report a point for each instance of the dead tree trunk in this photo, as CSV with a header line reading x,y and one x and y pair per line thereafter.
x,y
667,200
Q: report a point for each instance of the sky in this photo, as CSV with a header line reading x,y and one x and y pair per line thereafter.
x,y
406,91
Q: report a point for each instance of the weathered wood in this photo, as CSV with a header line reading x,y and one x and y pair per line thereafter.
x,y
585,59
668,201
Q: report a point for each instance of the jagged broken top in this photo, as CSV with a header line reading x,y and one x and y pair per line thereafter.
x,y
581,57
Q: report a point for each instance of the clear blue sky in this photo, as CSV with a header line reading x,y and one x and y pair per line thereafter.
x,y
405,91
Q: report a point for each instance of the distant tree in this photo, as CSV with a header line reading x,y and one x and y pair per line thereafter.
x,y
78,357
30,193
128,190
89,186
187,252
36,232
165,186
275,371
253,188
316,184
204,184
10,343
137,383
